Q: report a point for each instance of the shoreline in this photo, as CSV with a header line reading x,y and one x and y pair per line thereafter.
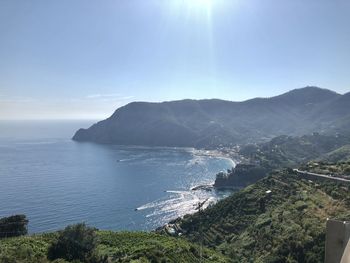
x,y
230,154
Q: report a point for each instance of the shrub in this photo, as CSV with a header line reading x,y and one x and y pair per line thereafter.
x,y
13,226
75,242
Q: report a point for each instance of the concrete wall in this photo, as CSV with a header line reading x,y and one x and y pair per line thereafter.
x,y
346,256
337,237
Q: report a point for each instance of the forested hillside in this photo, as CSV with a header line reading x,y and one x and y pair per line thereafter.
x,y
211,123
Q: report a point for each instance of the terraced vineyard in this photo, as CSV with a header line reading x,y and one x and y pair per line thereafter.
x,y
281,218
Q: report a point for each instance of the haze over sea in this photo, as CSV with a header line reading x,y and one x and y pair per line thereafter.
x,y
56,181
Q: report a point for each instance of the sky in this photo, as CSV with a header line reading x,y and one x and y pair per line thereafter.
x,y
82,59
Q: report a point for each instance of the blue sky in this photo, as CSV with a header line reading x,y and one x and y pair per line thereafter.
x,y
83,59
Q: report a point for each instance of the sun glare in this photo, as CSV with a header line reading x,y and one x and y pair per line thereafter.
x,y
200,3
195,6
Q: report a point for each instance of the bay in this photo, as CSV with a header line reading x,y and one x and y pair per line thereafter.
x,y
56,181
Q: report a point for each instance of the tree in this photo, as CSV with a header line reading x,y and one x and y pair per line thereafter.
x,y
13,226
75,242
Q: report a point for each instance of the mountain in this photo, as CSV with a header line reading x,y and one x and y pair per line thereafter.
x,y
210,123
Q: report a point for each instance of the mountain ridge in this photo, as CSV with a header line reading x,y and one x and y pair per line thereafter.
x,y
215,122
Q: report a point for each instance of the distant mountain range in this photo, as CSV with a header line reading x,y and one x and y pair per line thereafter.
x,y
211,123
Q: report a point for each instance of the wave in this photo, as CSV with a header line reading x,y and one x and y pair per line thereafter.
x,y
126,160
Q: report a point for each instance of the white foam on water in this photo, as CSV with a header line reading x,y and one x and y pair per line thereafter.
x,y
126,160
184,202
196,160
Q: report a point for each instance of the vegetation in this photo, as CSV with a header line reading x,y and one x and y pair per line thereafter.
x,y
281,218
240,176
111,247
75,242
29,249
287,151
152,247
213,123
283,151
13,226
340,169
341,154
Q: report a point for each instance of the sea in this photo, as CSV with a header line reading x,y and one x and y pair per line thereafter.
x,y
55,181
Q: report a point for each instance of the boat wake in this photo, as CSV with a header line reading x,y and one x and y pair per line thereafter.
x,y
177,204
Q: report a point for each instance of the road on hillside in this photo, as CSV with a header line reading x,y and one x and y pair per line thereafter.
x,y
322,176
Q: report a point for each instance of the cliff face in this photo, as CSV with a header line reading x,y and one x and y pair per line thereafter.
x,y
210,123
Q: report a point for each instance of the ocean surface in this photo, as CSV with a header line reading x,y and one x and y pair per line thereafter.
x,y
56,181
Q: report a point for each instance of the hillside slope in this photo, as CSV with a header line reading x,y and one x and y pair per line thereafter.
x,y
339,154
281,218
283,151
118,246
206,123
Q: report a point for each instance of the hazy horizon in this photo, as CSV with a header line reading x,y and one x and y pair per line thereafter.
x,y
96,119
78,60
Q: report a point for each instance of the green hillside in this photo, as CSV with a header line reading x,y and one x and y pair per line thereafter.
x,y
339,154
340,169
288,151
118,246
284,225
281,152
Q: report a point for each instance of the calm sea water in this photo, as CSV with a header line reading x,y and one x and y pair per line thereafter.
x,y
56,181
